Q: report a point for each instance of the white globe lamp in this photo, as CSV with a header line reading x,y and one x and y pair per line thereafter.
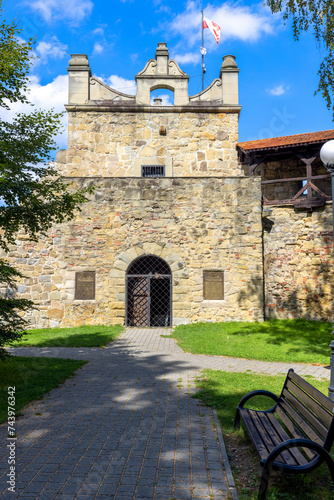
x,y
327,155
327,158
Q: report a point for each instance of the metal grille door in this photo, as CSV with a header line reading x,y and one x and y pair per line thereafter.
x,y
148,293
138,304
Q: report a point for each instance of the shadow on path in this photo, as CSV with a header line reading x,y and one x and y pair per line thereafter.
x,y
125,427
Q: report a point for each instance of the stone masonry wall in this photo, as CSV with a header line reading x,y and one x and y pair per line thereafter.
x,y
195,224
298,263
117,144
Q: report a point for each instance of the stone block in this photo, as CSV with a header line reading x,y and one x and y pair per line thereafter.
x,y
147,151
55,313
120,265
139,250
116,273
44,279
181,321
61,156
152,248
183,307
70,284
54,324
124,257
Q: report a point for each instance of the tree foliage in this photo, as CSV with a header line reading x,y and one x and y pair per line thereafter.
x,y
317,15
32,195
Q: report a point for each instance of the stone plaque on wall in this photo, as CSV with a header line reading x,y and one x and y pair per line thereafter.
x,y
213,285
85,285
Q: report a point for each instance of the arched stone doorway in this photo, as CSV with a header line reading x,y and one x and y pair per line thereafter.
x,y
148,292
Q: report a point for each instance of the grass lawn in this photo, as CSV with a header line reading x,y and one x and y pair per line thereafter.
x,y
81,336
32,378
223,391
298,341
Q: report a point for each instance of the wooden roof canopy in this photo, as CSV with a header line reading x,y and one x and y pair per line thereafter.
x,y
302,147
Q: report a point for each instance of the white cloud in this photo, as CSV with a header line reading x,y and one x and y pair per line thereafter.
x,y
98,31
121,84
50,48
166,99
52,95
98,48
187,58
71,10
236,22
278,90
160,7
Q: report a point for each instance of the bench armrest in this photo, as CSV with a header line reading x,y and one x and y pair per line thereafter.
x,y
324,456
297,442
249,396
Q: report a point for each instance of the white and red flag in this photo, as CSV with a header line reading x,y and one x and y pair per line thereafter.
x,y
213,27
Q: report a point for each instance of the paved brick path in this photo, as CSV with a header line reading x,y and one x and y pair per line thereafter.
x,y
125,427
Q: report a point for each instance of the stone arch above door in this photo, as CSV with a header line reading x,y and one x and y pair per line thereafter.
x,y
173,259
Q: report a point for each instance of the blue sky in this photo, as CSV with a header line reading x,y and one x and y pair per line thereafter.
x,y
277,76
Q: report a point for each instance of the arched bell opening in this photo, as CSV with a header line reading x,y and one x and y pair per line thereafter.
x,y
148,292
163,94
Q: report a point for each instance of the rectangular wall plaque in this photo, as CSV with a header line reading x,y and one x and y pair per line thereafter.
x,y
213,285
85,285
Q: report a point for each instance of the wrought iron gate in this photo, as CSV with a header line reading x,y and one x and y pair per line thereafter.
x,y
148,292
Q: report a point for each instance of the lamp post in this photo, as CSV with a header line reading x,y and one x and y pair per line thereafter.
x,y
327,158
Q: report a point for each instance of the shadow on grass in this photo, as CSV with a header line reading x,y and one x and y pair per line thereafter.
x,y
287,341
308,336
83,336
78,340
29,379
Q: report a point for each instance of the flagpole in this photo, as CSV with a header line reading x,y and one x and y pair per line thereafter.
x,y
203,51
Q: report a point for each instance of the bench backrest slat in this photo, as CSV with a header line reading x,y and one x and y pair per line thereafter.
x,y
297,426
305,414
309,403
317,395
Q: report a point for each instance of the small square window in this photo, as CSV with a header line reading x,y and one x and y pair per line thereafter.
x,y
213,285
153,170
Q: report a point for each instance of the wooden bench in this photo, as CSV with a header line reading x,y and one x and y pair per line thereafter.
x,y
296,434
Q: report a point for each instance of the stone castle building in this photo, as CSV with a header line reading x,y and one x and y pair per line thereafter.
x,y
178,229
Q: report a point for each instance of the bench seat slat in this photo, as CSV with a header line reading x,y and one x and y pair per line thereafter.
x,y
309,403
264,436
269,435
254,434
298,457
315,393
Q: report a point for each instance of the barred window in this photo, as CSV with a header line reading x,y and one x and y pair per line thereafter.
x,y
153,170
213,285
